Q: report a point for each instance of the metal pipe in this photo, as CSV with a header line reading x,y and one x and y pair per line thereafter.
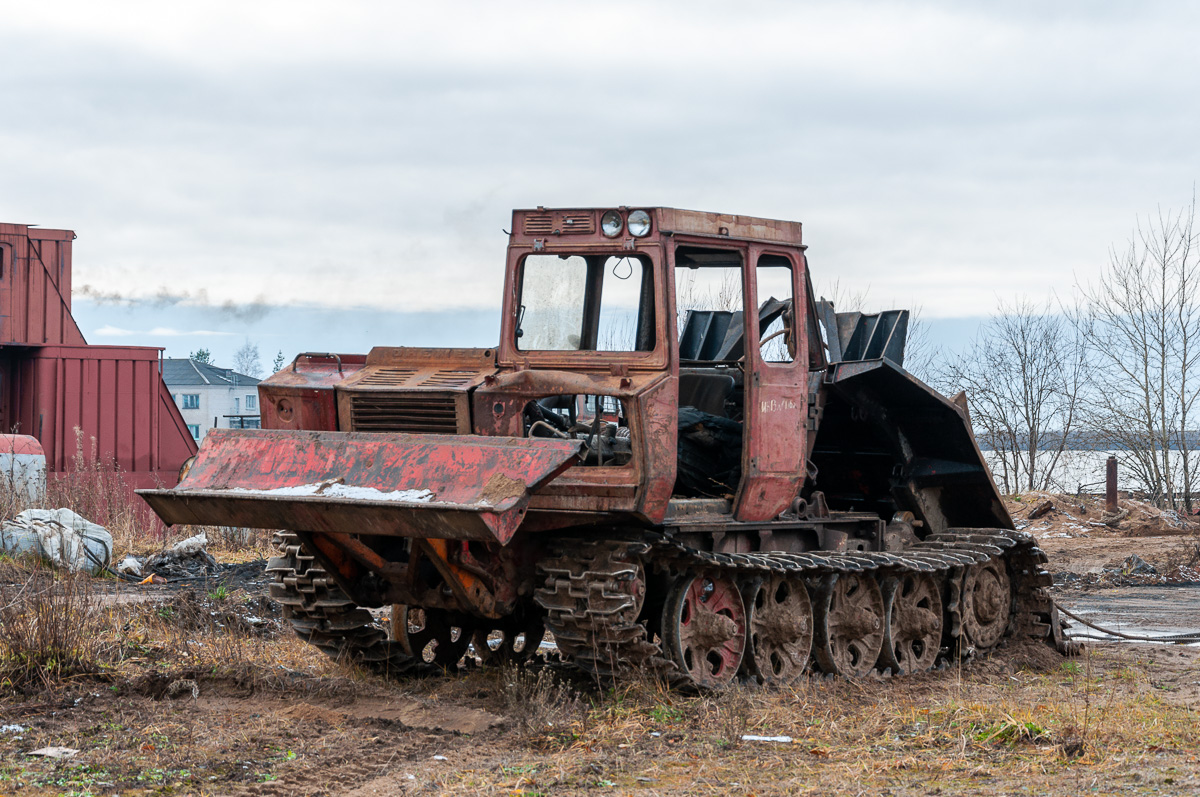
x,y
1110,486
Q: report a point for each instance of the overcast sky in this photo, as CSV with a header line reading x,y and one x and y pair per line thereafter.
x,y
332,176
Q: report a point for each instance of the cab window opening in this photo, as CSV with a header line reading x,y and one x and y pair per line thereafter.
x,y
710,304
586,303
600,423
777,333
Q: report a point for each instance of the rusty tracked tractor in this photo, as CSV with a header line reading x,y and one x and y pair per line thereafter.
x,y
675,459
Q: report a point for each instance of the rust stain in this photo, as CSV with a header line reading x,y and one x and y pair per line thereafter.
x,y
501,488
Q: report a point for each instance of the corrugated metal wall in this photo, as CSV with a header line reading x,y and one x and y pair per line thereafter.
x,y
113,395
35,287
52,383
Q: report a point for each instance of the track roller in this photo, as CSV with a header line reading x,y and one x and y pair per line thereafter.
x,y
848,627
704,628
781,629
913,622
434,636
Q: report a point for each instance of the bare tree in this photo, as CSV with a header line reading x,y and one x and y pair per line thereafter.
x,y
246,360
922,356
1024,375
1141,321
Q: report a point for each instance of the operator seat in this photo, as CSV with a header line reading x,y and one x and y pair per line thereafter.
x,y
705,392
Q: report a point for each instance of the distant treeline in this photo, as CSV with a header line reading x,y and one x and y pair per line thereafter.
x,y
1091,441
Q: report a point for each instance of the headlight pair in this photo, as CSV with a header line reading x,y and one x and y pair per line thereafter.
x,y
611,223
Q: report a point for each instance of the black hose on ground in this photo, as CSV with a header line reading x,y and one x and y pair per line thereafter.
x,y
1177,639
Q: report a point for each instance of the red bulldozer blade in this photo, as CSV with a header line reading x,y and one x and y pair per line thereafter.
x,y
460,487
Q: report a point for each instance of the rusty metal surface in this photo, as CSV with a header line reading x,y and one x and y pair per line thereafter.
x,y
413,390
35,287
301,396
66,396
574,224
479,486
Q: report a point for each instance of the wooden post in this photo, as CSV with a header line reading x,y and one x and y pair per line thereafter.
x,y
1110,486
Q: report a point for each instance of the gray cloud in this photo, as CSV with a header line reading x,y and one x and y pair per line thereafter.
x,y
938,151
240,312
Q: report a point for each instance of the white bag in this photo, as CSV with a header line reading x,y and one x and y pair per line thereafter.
x,y
61,536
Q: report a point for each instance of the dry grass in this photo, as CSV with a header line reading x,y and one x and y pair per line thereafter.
x,y
273,711
51,628
97,490
988,733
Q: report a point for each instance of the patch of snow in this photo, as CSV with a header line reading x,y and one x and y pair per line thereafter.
x,y
780,739
11,729
343,491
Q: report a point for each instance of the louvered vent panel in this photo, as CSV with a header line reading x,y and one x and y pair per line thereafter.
x,y
387,377
542,224
578,224
408,412
449,379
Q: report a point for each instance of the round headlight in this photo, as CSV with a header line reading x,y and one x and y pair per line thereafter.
x,y
610,224
639,224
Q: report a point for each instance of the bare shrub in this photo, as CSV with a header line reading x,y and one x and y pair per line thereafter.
x,y
539,704
1024,378
729,713
1140,318
51,627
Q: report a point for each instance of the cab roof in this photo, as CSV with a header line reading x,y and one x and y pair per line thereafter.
x,y
545,222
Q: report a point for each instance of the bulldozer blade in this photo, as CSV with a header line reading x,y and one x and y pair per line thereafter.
x,y
461,487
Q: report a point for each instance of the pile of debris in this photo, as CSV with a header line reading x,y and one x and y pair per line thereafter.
x,y
1047,514
1134,571
188,562
185,559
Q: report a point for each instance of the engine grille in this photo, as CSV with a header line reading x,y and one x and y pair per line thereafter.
x,y
387,377
561,224
428,413
450,378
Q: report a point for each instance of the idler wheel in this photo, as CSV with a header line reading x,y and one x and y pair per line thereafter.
x,y
913,631
510,640
987,603
434,636
781,630
704,628
848,624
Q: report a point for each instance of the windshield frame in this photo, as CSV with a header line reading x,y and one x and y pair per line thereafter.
x,y
511,353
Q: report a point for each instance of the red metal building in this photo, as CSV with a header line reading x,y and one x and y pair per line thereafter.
x,y
53,383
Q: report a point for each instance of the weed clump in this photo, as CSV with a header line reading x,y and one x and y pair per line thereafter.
x,y
51,627
538,704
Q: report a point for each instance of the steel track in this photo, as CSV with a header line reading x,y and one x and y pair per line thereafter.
x,y
324,616
591,593
594,593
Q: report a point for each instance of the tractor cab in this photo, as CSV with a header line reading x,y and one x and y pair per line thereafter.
x,y
669,343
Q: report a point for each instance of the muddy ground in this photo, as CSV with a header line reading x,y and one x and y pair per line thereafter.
x,y
202,690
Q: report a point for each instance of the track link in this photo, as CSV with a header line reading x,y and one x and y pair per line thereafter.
x,y
324,616
593,596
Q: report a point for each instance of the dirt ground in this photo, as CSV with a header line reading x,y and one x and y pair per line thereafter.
x,y
200,689
1120,720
